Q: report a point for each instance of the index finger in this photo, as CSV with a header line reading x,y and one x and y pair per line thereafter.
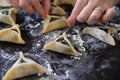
x,y
39,8
76,11
24,5
46,5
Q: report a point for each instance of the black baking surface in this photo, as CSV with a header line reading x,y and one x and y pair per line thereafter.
x,y
98,62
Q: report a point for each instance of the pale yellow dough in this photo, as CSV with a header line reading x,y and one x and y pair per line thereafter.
x,y
12,34
101,34
62,48
4,3
25,68
53,25
64,2
9,18
56,10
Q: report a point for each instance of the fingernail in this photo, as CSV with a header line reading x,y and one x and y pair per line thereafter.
x,y
91,21
81,21
70,23
44,16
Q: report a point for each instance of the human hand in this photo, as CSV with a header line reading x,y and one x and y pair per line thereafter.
x,y
32,6
92,11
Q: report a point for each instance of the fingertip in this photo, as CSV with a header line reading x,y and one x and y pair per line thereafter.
x,y
80,18
91,22
28,8
71,21
109,14
76,11
43,16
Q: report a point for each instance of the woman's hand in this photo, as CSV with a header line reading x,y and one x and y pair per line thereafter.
x,y
92,11
32,6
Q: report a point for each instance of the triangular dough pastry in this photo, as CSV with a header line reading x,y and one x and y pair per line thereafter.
x,y
100,34
64,47
12,34
56,10
23,67
63,2
53,23
4,3
8,16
